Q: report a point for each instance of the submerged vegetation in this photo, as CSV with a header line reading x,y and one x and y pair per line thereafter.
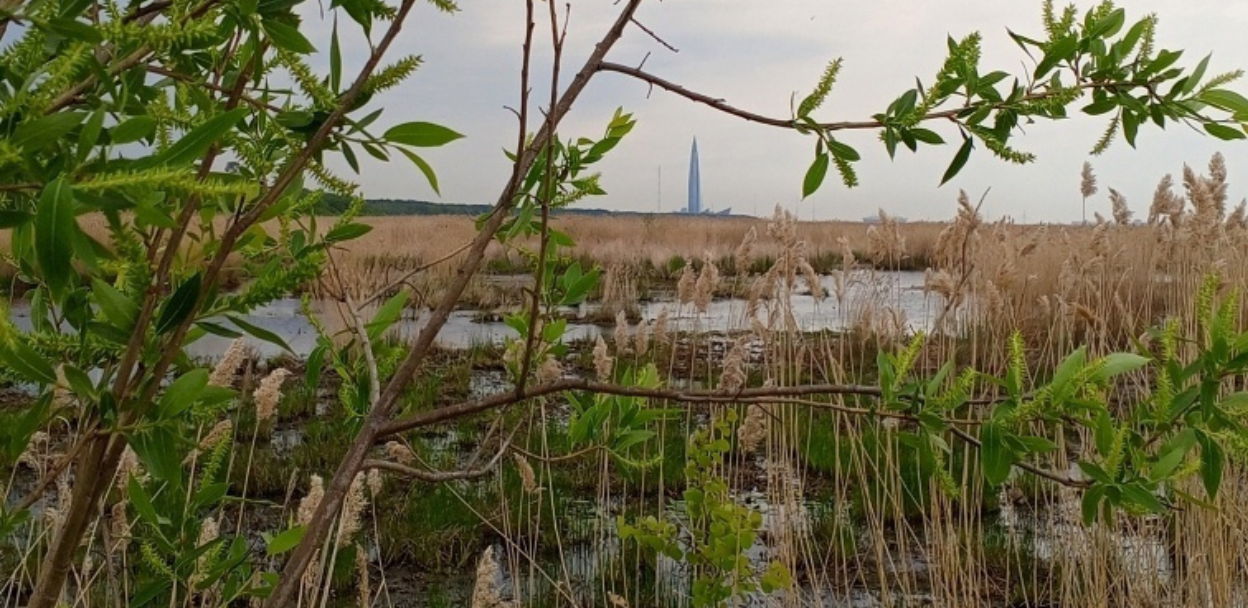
x,y
1065,426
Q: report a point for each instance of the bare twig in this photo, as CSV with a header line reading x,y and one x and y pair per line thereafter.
x,y
655,36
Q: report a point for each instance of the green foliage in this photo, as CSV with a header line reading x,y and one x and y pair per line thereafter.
x,y
720,530
1097,61
115,117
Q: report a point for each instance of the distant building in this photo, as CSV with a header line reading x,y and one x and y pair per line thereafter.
x,y
695,187
695,181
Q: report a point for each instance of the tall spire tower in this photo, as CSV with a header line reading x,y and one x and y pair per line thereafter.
x,y
695,181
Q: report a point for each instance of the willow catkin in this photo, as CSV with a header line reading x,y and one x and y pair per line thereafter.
x,y
223,373
741,256
708,281
485,590
1118,202
685,286
847,254
221,431
641,338
734,376
940,282
310,501
620,335
755,426
129,466
374,483
32,455
119,528
399,453
1087,181
549,370
660,327
812,280
1165,204
352,510
269,394
603,362
528,479
61,394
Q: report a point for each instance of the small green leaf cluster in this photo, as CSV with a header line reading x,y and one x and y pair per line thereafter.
x,y
720,531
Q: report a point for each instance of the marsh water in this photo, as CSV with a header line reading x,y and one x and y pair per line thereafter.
x,y
900,294
590,552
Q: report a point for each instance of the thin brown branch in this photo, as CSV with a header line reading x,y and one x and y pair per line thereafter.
x,y
452,412
656,37
789,123
251,101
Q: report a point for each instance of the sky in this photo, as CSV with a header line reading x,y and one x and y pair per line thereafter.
x,y
758,56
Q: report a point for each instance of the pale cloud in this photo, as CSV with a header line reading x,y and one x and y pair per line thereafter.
x,y
757,55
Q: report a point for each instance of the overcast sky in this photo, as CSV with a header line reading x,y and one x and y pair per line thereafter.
x,y
756,55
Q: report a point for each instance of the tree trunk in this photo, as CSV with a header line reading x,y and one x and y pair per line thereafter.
x,y
97,465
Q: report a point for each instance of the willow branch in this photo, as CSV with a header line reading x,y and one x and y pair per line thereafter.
x,y
789,123
459,410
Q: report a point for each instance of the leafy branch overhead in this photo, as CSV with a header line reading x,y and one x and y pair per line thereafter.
x,y
1096,65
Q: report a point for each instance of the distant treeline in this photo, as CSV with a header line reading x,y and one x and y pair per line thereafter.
x,y
333,204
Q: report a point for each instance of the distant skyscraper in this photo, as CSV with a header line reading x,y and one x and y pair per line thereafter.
x,y
695,181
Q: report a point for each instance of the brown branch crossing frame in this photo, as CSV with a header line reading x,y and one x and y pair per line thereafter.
x,y
707,397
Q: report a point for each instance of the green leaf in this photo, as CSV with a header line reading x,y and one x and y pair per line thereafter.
x,y
179,305
89,135
335,59
387,315
421,134
157,449
183,392
74,30
424,167
1212,461
1141,496
1119,363
54,233
1223,132
843,151
259,332
1197,74
1059,50
1090,505
1164,60
284,541
993,453
27,363
197,141
44,131
1225,99
815,174
116,307
133,129
1172,455
959,160
927,136
347,232
143,503
288,37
